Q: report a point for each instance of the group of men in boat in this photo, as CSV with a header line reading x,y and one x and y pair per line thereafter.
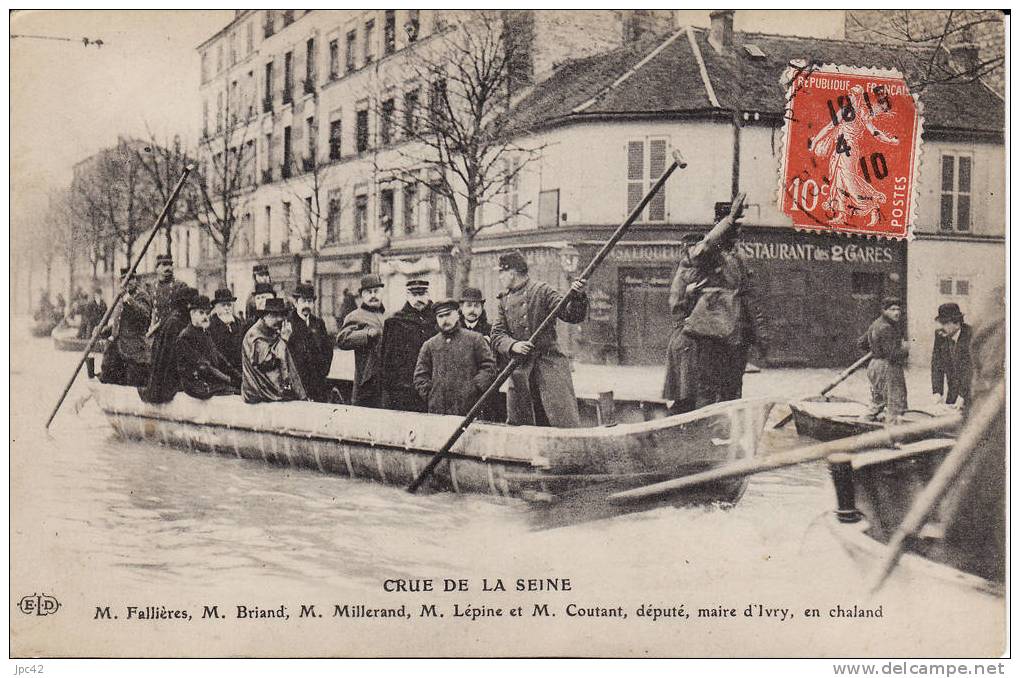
x,y
437,357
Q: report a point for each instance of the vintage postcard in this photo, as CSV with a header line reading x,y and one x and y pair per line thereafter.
x,y
508,333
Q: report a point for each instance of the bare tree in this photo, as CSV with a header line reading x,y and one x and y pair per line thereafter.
x,y
163,164
92,229
67,233
460,152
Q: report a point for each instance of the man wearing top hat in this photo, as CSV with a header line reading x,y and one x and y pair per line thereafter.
x,y
164,381
884,339
256,303
163,293
950,358
226,329
204,372
404,333
310,343
268,370
541,390
126,359
454,367
260,276
362,333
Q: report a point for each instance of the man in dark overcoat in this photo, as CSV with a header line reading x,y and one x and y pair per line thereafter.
x,y
164,381
163,292
225,328
204,372
92,313
541,390
362,332
310,344
268,370
474,318
950,358
404,333
260,277
126,360
454,367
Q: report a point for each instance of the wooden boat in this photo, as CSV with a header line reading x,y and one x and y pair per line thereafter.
x,y
43,328
392,447
65,338
831,417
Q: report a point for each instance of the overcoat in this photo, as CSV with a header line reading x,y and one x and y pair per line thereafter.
x,y
268,371
362,333
228,337
885,371
404,333
162,297
203,371
164,381
453,370
545,375
127,358
951,365
313,353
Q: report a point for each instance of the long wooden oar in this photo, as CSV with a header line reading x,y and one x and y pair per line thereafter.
x,y
832,384
123,288
951,467
886,437
678,163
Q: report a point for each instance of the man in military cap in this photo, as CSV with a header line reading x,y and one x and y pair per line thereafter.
x,y
884,339
163,293
126,360
204,372
404,333
226,329
268,370
454,367
950,358
310,344
164,381
362,333
541,391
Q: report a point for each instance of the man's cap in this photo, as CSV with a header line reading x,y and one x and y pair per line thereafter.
x,y
260,269
164,259
275,305
445,305
949,313
513,261
200,302
370,281
264,288
305,291
223,295
472,294
418,285
890,301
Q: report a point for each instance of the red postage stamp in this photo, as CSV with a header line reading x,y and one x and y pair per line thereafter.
x,y
852,145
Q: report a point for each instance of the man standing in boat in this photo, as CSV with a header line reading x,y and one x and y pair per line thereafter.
x,y
950,358
474,318
362,332
126,360
884,339
164,381
260,276
310,344
226,329
204,372
404,333
454,367
541,390
163,293
268,370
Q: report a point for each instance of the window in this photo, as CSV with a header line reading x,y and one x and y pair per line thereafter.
x,y
205,118
437,100
955,206
287,153
219,58
334,59
267,150
946,286
187,248
362,131
232,103
386,122
306,238
267,102
335,131
285,236
642,172
962,288
263,242
949,287
288,77
390,32
233,48
310,66
249,162
412,25
249,38
386,210
333,216
219,111
411,112
310,131
437,215
549,209
267,25
288,17
250,94
352,38
369,37
360,217
205,66
410,204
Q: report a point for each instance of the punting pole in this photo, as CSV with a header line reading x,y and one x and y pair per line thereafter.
x,y
832,384
678,163
123,287
886,437
954,463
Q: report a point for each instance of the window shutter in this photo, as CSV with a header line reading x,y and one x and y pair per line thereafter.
x,y
635,174
656,166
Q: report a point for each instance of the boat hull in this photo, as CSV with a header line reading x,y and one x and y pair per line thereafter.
x,y
832,418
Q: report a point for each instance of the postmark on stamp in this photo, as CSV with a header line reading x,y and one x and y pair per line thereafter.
x,y
851,149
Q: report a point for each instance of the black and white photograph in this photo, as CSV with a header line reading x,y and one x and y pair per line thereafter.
x,y
503,333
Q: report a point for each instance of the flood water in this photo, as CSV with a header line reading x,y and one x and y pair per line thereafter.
x,y
141,520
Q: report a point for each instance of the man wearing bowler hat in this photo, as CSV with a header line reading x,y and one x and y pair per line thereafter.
x,y
541,390
268,370
225,329
259,276
310,344
203,370
163,292
950,358
404,333
362,333
884,339
472,312
126,360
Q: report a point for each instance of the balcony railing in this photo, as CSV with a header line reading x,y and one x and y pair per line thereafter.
x,y
267,176
267,105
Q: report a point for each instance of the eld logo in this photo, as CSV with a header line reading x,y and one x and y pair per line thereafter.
x,y
39,604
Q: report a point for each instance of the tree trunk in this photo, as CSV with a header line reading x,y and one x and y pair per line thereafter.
x,y
223,266
463,277
49,275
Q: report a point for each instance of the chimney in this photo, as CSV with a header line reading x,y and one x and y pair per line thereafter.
x,y
720,33
965,57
